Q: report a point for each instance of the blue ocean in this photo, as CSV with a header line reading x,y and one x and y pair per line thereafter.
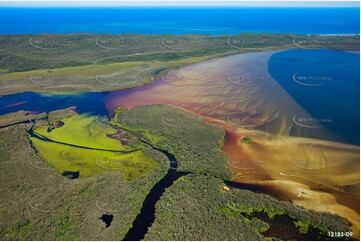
x,y
202,20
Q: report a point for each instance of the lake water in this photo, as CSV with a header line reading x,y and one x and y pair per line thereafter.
x,y
325,83
202,20
91,103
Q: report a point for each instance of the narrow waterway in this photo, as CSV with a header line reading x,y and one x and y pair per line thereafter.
x,y
146,216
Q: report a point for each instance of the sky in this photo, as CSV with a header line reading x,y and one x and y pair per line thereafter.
x,y
183,3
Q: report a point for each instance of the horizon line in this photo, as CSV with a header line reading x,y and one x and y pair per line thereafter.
x,y
187,3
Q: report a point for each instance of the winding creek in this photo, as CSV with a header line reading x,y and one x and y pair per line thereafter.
x,y
146,217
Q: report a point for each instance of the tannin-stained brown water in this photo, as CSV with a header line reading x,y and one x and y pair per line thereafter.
x,y
300,164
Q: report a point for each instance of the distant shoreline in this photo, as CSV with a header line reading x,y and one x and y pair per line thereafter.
x,y
181,34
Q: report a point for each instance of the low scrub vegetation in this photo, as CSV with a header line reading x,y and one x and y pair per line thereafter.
x,y
197,207
195,144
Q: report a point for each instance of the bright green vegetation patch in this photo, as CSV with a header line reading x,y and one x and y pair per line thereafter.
x,y
303,227
87,162
196,207
195,144
83,130
83,144
246,140
74,206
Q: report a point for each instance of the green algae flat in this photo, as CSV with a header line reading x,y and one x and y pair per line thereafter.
x,y
83,130
89,162
82,145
